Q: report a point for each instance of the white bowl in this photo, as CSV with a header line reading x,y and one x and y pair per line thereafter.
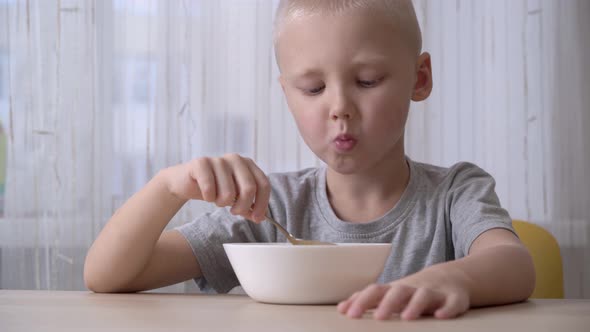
x,y
306,274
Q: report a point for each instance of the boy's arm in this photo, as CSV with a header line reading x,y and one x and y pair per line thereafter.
x,y
132,254
498,270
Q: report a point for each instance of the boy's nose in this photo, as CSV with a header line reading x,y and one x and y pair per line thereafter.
x,y
341,115
341,108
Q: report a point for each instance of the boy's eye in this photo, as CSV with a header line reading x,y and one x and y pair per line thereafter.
x,y
368,83
314,91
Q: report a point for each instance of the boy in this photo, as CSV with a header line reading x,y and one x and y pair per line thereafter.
x,y
348,70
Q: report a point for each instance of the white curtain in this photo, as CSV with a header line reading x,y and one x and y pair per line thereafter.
x,y
96,96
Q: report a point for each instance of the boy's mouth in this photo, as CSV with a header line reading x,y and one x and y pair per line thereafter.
x,y
345,142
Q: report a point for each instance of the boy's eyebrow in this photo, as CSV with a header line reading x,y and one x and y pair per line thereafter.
x,y
306,73
361,60
357,62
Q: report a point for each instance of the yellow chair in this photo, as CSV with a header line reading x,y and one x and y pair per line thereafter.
x,y
546,257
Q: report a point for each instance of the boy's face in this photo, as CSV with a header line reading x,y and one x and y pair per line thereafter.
x,y
348,80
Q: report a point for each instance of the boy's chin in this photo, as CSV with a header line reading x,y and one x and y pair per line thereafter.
x,y
346,167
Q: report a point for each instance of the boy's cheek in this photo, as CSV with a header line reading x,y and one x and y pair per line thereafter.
x,y
293,100
309,128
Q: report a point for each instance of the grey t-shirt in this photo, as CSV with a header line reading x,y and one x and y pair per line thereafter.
x,y
441,212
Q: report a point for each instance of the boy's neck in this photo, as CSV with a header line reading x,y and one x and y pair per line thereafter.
x,y
367,196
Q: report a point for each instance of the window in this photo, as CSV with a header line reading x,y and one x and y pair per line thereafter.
x,y
3,75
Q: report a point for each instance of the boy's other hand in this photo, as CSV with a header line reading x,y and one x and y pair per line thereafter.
x,y
424,293
231,180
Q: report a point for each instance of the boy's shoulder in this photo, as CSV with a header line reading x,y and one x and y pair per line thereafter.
x,y
457,174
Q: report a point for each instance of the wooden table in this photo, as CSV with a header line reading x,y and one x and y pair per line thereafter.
x,y
84,311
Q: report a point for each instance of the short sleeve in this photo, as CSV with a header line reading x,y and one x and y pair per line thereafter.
x,y
206,236
473,206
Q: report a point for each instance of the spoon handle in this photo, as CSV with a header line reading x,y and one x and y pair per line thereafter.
x,y
282,229
291,238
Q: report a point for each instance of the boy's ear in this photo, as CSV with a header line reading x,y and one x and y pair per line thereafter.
x,y
423,85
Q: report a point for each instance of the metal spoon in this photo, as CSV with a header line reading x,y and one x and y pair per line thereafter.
x,y
293,239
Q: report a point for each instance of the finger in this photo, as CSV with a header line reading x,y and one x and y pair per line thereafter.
x,y
367,299
422,300
245,186
452,307
226,190
344,305
201,171
394,301
262,192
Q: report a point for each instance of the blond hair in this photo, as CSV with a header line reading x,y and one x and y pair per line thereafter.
x,y
400,12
